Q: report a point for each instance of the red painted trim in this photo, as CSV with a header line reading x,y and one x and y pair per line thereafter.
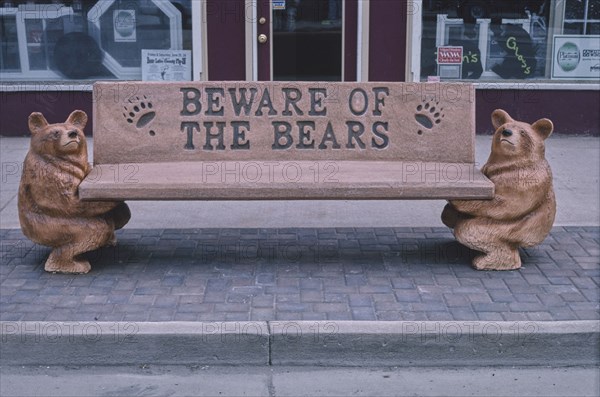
x,y
532,105
15,108
350,32
226,35
524,105
264,50
387,40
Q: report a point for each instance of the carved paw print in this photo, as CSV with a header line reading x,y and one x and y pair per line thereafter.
x,y
429,114
139,112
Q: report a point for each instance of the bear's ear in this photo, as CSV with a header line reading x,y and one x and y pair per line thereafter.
x,y
500,117
37,122
543,127
78,118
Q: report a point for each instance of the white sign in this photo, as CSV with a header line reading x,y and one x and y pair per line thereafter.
x,y
124,26
450,72
166,65
576,57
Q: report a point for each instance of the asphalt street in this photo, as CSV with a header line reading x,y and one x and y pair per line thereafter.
x,y
149,380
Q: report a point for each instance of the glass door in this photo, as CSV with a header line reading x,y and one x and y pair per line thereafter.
x,y
300,40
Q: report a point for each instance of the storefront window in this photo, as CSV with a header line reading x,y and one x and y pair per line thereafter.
x,y
91,39
510,40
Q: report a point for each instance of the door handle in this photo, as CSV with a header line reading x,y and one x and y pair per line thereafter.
x,y
262,38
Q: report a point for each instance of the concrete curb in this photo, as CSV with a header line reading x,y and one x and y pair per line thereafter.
x,y
435,343
331,343
124,343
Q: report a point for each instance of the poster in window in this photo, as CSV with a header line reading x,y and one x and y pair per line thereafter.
x,y
124,26
166,65
576,57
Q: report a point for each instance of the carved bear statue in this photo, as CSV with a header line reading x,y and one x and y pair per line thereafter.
x,y
522,211
50,210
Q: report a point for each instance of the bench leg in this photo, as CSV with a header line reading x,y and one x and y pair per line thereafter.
x,y
119,215
91,235
489,238
450,216
499,258
62,261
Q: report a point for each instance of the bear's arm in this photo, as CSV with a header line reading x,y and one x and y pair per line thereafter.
x,y
82,208
514,203
94,208
497,208
57,194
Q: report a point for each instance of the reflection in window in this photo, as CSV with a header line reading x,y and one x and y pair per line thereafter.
x,y
307,40
504,40
87,39
9,46
582,17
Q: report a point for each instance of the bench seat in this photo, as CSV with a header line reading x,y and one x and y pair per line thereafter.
x,y
286,180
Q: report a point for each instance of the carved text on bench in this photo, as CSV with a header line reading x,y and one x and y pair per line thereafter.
x,y
300,132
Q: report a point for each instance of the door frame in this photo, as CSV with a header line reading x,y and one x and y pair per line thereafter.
x,y
259,65
258,56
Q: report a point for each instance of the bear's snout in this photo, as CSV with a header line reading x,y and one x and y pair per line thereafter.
x,y
507,132
70,141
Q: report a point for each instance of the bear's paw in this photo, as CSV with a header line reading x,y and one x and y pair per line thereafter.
x,y
140,113
428,114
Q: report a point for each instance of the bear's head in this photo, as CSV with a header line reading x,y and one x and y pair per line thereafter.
x,y
62,140
516,140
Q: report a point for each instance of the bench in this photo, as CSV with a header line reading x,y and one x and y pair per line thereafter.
x,y
284,141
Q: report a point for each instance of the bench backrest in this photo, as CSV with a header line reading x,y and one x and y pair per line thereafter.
x,y
139,122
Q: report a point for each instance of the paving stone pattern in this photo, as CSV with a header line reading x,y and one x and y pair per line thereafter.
x,y
301,274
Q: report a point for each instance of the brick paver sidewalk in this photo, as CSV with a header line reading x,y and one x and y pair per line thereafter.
x,y
302,274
